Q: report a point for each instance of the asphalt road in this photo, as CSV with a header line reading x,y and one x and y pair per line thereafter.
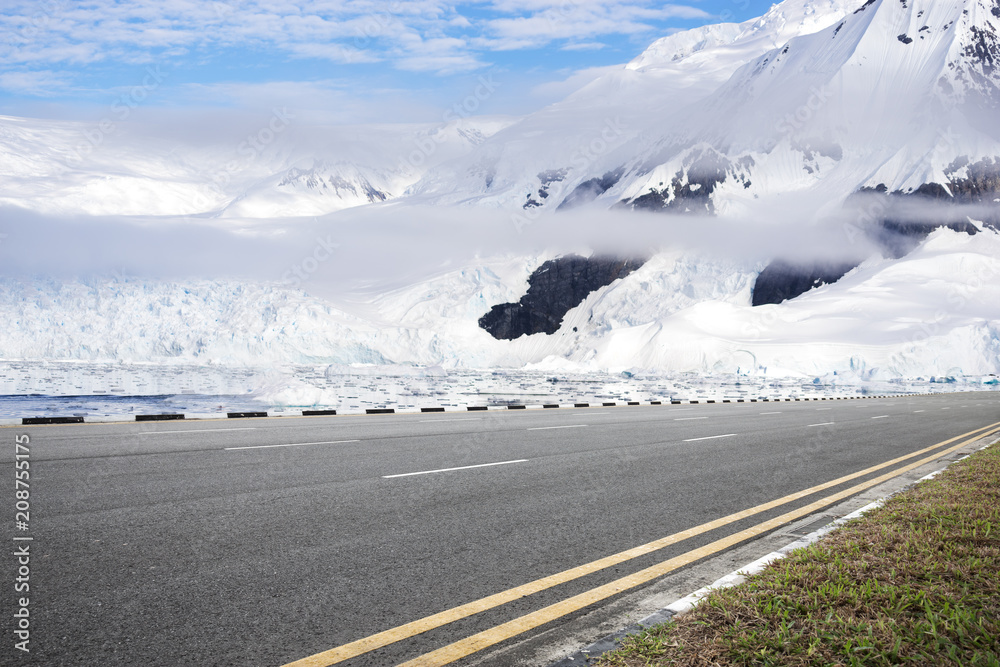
x,y
261,541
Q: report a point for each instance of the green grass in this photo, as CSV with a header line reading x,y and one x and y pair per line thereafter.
x,y
914,582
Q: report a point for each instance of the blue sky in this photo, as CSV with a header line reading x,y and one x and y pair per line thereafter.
x,y
336,61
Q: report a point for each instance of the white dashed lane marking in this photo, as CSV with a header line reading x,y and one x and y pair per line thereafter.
x,y
293,444
430,472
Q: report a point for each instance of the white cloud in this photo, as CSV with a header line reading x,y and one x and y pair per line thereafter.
x,y
541,22
334,53
38,83
315,102
583,46
420,35
445,55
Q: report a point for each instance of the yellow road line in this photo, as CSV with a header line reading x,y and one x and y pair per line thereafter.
x,y
495,635
378,640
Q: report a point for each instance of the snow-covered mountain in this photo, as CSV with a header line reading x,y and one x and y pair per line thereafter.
x,y
875,119
538,161
894,95
828,97
273,168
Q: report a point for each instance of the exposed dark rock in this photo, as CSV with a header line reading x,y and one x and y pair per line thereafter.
x,y
983,48
373,194
864,6
761,66
981,185
905,39
979,69
588,191
654,200
897,233
894,228
704,174
545,178
782,280
898,238
810,149
691,188
553,289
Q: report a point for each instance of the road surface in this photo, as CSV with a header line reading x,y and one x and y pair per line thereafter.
x,y
264,541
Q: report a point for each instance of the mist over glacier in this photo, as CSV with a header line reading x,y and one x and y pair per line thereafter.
x,y
389,246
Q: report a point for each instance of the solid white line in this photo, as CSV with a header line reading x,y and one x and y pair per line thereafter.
x,y
294,444
824,408
428,472
770,413
823,424
946,408
685,419
465,419
880,417
198,430
545,428
918,411
711,437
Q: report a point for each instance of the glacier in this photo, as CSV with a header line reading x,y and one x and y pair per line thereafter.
x,y
933,312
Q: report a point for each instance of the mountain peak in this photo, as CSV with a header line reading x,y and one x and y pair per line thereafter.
x,y
782,22
793,18
892,93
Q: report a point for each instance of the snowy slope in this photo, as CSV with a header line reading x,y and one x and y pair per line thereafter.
x,y
582,137
937,311
818,97
891,95
276,169
363,166
709,46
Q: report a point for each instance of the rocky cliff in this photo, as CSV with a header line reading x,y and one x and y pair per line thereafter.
x,y
553,289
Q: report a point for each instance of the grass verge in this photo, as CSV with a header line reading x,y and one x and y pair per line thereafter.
x,y
914,582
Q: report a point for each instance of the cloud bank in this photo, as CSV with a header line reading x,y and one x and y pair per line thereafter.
x,y
55,37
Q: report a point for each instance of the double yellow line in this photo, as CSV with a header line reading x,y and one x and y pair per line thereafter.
x,y
495,635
